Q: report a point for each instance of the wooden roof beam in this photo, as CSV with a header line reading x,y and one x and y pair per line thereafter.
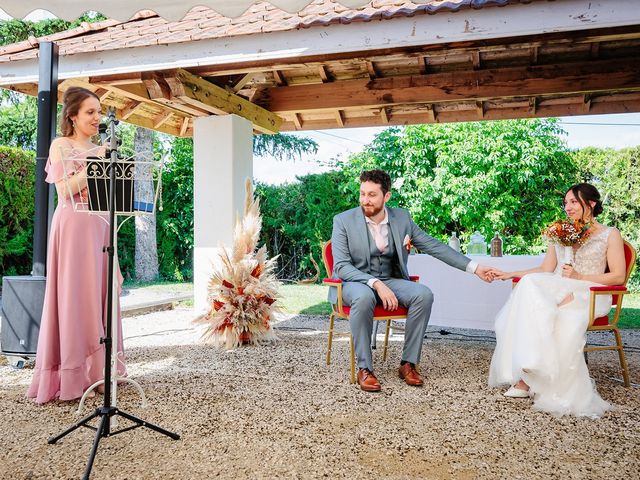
x,y
324,76
484,84
102,93
586,102
279,78
384,115
373,71
161,119
503,113
184,126
196,91
431,113
475,60
297,121
129,109
243,81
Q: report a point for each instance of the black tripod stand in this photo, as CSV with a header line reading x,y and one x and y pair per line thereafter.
x,y
108,410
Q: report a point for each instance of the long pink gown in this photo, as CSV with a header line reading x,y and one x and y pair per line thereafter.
x,y
70,356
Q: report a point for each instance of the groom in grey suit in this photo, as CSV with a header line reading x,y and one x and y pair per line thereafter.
x,y
371,246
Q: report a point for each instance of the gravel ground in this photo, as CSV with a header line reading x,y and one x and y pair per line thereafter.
x,y
279,411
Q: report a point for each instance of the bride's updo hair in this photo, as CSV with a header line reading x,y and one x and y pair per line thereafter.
x,y
586,193
73,98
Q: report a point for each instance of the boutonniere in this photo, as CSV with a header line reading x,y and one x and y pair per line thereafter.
x,y
408,244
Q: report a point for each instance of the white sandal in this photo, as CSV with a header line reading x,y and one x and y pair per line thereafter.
x,y
514,392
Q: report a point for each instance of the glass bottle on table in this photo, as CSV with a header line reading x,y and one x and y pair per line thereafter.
x,y
454,242
496,246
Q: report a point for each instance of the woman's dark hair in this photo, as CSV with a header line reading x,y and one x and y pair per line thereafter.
x,y
380,177
73,98
586,193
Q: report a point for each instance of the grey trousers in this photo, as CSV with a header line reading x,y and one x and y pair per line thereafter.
x,y
417,298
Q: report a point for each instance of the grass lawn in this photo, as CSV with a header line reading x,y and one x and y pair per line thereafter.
x,y
312,300
630,316
307,299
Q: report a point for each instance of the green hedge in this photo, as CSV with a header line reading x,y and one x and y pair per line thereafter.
x,y
17,178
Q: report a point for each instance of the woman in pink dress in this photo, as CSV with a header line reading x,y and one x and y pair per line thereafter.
x,y
70,357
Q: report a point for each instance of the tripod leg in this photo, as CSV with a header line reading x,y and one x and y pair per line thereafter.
x,y
94,448
81,423
142,423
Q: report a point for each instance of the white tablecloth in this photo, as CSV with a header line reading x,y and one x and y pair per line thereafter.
x,y
462,299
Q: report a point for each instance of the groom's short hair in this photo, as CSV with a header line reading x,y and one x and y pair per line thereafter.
x,y
380,177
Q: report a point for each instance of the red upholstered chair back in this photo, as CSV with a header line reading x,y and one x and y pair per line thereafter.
x,y
327,257
630,261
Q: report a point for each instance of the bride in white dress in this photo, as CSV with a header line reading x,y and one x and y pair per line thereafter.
x,y
541,330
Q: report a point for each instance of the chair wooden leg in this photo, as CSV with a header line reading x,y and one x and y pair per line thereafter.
x,y
386,341
352,359
332,317
623,360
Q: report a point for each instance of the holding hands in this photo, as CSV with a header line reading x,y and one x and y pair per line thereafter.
x,y
489,274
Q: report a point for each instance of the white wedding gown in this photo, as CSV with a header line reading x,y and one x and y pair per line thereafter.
x,y
541,343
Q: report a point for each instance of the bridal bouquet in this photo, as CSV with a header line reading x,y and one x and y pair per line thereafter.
x,y
568,232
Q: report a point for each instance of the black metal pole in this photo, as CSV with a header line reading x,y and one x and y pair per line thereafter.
x,y
47,111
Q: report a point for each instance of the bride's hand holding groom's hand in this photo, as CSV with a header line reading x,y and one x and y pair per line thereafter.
x,y
500,275
487,274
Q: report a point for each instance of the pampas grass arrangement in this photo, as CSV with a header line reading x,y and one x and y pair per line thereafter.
x,y
242,289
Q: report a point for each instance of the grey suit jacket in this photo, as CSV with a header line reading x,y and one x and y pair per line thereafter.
x,y
350,246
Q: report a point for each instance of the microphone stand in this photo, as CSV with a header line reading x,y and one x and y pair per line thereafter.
x,y
108,409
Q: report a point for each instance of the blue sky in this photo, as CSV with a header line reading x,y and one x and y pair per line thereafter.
x,y
616,131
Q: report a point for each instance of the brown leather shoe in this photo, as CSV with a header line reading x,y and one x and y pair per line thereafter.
x,y
368,381
410,375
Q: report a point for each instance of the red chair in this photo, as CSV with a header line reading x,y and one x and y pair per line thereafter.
x,y
342,311
607,322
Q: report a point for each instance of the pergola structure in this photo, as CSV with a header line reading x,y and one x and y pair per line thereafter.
x,y
391,62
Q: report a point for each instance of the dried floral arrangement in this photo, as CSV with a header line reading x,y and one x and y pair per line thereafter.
x,y
243,288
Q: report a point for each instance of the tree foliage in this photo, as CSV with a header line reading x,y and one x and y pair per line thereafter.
x,y
298,217
14,31
19,123
283,146
505,177
616,174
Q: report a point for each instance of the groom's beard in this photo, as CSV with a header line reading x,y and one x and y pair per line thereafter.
x,y
371,210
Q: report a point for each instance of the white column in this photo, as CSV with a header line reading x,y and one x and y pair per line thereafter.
x,y
222,161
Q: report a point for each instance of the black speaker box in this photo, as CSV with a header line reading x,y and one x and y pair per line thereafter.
x,y
22,301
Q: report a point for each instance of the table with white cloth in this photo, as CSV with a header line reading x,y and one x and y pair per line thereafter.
x,y
461,299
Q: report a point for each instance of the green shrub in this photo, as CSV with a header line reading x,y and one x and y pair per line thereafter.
x,y
17,178
298,217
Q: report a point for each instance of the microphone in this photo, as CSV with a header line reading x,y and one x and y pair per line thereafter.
x,y
102,129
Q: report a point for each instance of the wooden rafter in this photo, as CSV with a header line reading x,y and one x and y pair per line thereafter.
x,y
243,81
458,86
162,118
322,70
129,109
195,91
384,115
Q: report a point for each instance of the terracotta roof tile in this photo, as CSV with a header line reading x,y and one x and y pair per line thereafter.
x,y
200,23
